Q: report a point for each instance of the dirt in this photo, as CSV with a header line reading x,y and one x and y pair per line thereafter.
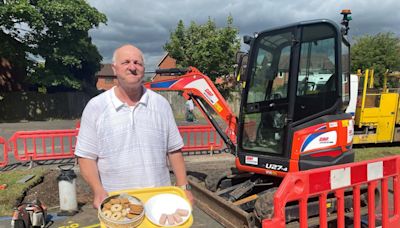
x,y
47,191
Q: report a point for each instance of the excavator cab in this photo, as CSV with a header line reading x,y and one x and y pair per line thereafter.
x,y
296,91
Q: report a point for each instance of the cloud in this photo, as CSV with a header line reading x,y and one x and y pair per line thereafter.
x,y
148,24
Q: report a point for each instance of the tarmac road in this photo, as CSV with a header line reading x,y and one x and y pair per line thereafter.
x,y
8,129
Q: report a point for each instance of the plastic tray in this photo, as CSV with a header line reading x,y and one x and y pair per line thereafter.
x,y
146,193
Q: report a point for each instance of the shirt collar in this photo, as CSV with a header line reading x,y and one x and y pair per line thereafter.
x,y
117,103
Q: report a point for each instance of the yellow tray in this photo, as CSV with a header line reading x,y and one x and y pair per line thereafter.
x,y
146,193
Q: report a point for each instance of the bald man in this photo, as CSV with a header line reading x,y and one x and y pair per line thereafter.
x,y
128,133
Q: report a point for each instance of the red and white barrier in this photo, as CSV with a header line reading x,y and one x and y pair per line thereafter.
x,y
200,138
43,144
301,186
4,151
60,144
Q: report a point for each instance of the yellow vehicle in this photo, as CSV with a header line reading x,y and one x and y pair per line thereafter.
x,y
377,118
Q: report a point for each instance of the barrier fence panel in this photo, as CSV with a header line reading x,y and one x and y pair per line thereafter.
x,y
43,145
4,151
200,138
378,175
60,144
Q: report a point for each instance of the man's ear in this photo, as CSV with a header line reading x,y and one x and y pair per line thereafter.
x,y
113,68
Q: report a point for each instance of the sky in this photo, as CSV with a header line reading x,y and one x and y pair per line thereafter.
x,y
148,24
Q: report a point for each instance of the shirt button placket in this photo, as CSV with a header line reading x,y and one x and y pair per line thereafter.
x,y
133,116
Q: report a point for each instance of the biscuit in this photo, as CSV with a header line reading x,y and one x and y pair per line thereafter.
x,y
115,201
107,206
163,219
135,209
171,220
116,207
131,215
116,215
182,212
123,200
107,213
124,212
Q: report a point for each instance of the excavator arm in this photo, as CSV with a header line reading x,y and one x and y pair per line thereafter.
x,y
193,84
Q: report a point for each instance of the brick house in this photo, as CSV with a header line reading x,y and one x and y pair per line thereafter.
x,y
105,77
166,62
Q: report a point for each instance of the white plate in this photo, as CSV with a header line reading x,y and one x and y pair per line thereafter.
x,y
165,204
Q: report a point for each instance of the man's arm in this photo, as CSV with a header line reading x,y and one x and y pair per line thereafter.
x,y
90,173
178,166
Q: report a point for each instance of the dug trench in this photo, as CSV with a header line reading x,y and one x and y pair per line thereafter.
x,y
46,190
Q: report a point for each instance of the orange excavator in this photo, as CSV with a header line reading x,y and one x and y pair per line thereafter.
x,y
292,117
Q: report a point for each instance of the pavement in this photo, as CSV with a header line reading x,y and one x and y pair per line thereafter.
x,y
87,218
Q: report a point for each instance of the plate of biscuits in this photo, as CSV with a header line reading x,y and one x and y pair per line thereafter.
x,y
121,211
167,210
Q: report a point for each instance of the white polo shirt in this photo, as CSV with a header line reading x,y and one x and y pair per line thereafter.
x,y
130,144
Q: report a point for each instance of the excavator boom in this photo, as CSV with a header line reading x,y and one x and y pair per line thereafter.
x,y
200,88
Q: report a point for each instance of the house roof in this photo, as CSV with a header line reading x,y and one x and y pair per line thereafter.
x,y
106,70
166,62
163,58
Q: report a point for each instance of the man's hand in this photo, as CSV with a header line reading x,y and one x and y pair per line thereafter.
x,y
189,196
178,166
99,197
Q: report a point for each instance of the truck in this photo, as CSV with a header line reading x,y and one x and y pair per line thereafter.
x,y
292,119
376,111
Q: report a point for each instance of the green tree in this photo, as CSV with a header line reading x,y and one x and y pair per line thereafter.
x,y
54,35
380,52
206,47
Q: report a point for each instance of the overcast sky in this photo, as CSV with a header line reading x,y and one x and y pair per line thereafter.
x,y
147,24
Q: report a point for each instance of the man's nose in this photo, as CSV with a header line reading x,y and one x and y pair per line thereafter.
x,y
131,66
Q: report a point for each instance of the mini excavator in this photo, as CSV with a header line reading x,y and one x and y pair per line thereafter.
x,y
292,116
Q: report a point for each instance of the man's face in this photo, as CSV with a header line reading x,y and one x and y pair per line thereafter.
x,y
129,67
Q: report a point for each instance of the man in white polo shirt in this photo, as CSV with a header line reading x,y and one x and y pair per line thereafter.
x,y
128,133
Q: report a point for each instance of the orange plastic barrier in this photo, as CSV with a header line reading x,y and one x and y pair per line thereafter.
x,y
60,144
319,183
200,137
4,145
43,144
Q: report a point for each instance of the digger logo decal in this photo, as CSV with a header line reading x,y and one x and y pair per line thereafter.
x,y
319,140
251,160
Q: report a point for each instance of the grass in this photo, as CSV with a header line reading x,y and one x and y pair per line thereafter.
x,y
14,191
362,154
